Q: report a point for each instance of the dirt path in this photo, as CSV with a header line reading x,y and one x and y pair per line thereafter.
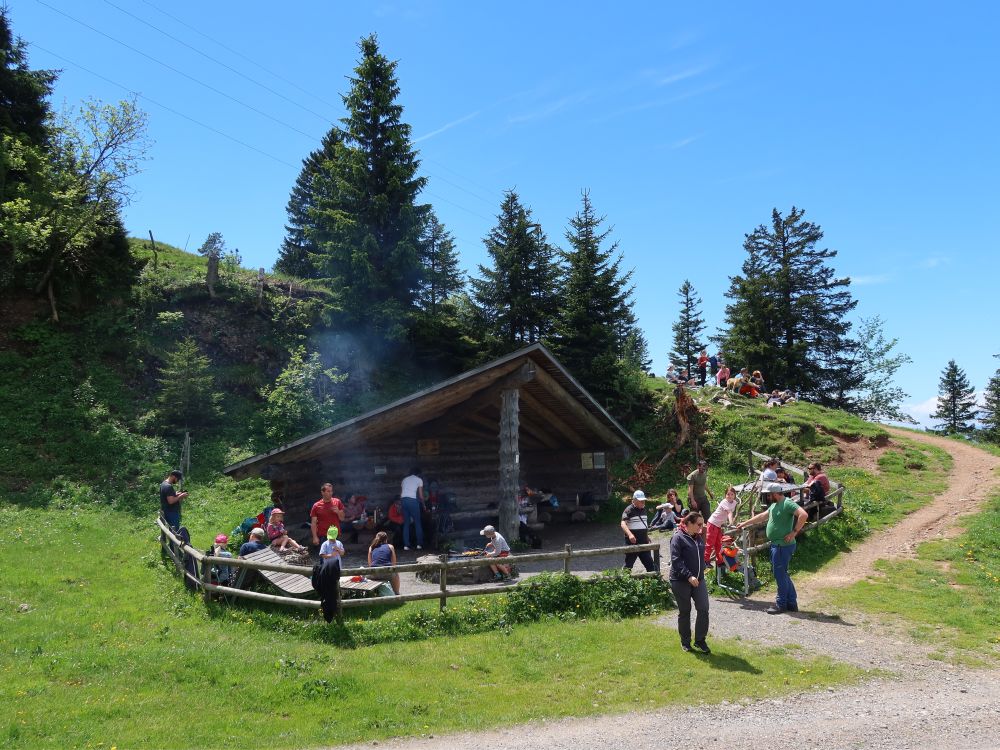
x,y
923,703
971,481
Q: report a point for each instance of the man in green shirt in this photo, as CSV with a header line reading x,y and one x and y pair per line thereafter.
x,y
785,520
699,491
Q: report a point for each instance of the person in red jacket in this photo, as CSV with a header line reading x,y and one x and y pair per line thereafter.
x,y
326,512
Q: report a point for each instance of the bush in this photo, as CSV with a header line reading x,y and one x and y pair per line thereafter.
x,y
613,594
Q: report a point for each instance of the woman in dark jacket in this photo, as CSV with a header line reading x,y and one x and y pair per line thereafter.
x,y
687,580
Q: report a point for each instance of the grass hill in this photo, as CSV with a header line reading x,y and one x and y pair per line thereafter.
x,y
96,629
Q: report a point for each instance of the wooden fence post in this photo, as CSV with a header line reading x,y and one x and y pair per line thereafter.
x,y
336,598
569,552
443,578
206,579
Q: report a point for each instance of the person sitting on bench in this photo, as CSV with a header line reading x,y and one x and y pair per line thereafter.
x,y
496,547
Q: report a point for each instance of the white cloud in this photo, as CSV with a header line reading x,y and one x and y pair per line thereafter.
x,y
447,126
932,262
922,410
683,142
868,280
550,109
682,75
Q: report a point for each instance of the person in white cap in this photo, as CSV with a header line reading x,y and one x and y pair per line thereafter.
x,y
636,528
496,547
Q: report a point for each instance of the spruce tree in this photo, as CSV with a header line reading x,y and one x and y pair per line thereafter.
x,y
594,320
989,415
368,223
187,394
442,276
956,406
688,329
298,253
24,93
787,314
515,296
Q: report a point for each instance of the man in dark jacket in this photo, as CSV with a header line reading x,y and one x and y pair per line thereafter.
x,y
687,580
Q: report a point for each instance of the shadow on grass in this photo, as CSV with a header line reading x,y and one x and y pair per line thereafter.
x,y
728,663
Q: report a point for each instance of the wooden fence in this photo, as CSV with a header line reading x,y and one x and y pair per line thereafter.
x,y
177,549
835,496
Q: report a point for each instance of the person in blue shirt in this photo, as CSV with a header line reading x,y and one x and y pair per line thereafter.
x,y
255,543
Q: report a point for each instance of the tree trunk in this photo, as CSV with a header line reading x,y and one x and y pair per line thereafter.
x,y
212,275
509,463
52,302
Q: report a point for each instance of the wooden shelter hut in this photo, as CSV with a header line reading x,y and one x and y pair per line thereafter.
x,y
520,419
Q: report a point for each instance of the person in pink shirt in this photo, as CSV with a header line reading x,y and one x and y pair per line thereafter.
x,y
723,515
722,376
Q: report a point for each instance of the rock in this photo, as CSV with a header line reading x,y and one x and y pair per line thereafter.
x,y
24,608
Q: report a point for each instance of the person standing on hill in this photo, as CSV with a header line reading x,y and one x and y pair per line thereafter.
x,y
170,499
699,491
412,494
326,512
702,367
785,519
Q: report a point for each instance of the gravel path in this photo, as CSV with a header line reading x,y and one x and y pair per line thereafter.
x,y
923,703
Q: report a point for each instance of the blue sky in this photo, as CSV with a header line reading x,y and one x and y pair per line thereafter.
x,y
687,123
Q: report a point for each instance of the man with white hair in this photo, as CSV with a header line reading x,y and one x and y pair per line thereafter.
x,y
785,519
636,528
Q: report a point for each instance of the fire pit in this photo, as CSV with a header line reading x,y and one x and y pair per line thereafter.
x,y
478,574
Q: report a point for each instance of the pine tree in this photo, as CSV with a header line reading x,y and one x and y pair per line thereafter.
x,y
442,276
787,314
956,406
24,93
688,329
594,323
298,253
989,415
213,246
187,394
368,222
516,296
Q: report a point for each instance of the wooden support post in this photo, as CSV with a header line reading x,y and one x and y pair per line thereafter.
x,y
206,580
152,244
509,463
444,582
339,606
569,553
656,560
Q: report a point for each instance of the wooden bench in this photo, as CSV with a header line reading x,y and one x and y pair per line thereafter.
x,y
290,583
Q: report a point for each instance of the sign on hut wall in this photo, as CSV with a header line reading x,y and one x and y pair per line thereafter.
x,y
592,460
429,447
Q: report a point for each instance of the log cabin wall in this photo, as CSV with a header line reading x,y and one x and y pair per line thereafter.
x,y
466,466
562,473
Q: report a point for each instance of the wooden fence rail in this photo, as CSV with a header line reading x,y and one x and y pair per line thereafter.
x,y
176,549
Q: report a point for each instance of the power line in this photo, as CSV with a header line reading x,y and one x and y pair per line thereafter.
x,y
308,92
232,98
243,75
164,106
220,92
237,53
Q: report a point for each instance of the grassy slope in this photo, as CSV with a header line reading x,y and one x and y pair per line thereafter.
x,y
110,634
109,629
950,594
